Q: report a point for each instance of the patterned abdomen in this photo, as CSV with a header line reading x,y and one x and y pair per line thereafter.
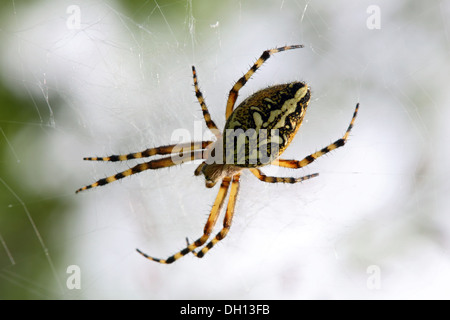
x,y
263,125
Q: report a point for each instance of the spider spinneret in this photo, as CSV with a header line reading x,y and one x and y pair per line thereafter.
x,y
256,133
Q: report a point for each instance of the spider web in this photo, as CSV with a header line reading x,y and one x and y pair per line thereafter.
x,y
109,77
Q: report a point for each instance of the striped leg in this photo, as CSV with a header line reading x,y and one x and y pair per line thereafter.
x,y
154,164
265,178
174,148
243,80
212,219
234,190
209,123
294,164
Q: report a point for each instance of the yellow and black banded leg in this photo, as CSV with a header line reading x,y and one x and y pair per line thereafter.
x,y
209,122
295,164
257,173
232,97
234,190
154,164
174,148
212,219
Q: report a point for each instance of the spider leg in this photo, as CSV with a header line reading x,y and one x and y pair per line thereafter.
x,y
174,148
154,164
212,219
209,122
294,164
188,243
234,92
261,176
234,190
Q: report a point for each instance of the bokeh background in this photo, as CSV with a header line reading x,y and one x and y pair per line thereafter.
x,y
94,77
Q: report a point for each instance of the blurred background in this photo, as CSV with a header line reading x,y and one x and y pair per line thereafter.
x,y
95,78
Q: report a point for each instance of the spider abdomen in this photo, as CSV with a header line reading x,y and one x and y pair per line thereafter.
x,y
264,124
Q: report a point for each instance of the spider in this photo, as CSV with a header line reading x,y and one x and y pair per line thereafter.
x,y
256,133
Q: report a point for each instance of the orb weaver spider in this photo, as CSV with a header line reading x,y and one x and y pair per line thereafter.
x,y
270,117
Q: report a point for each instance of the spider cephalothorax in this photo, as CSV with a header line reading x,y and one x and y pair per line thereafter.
x,y
256,133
